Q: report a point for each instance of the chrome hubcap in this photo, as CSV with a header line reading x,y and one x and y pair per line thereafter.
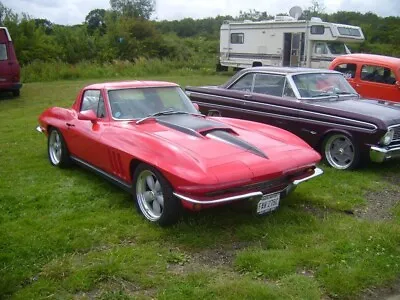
x,y
339,151
55,149
149,195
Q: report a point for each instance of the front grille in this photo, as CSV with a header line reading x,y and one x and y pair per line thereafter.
x,y
263,187
396,136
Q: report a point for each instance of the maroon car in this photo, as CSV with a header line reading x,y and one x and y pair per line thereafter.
x,y
9,66
319,106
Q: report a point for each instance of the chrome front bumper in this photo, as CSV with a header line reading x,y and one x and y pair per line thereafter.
x,y
253,195
379,154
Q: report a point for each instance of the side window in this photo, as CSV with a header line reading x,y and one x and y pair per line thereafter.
x,y
288,91
377,74
269,84
3,52
320,48
93,100
348,70
245,83
237,38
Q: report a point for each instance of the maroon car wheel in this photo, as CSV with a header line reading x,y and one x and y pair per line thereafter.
x,y
340,152
154,196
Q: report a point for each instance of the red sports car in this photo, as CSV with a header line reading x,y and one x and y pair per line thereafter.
x,y
148,138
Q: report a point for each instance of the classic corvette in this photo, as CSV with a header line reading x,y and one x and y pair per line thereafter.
x,y
148,138
318,106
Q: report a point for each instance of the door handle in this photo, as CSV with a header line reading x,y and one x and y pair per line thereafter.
x,y
247,96
70,125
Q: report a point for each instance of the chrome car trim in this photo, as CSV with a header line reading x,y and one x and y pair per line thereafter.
x,y
378,154
221,200
276,115
288,188
243,101
125,186
317,172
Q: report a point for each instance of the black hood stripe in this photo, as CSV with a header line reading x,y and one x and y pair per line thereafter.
x,y
234,140
200,127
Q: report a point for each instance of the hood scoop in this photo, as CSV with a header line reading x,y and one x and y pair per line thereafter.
x,y
228,136
202,127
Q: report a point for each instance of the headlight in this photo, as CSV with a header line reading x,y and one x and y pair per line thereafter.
x,y
388,137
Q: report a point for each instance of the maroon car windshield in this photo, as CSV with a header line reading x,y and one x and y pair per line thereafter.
x,y
313,85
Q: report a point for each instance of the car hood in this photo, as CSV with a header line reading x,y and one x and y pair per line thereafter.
x,y
227,150
386,111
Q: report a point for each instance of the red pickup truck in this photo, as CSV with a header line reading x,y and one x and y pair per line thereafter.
x,y
9,66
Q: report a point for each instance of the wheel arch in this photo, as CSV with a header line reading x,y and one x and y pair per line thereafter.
x,y
330,132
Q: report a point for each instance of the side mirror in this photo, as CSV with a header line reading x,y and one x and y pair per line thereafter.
x,y
87,115
398,84
196,106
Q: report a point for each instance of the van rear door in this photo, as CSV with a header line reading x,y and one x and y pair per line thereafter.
x,y
5,67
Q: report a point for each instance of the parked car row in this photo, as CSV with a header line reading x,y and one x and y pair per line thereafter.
x,y
149,137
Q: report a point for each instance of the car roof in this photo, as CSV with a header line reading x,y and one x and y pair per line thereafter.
x,y
370,58
117,85
286,70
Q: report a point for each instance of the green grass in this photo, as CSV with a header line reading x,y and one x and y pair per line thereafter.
x,y
70,234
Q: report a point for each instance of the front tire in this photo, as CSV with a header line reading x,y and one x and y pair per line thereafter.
x,y
16,93
154,196
340,152
57,149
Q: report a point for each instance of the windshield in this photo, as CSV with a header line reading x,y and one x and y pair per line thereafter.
x,y
312,85
127,104
337,48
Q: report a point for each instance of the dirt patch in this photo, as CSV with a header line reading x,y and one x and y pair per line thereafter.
x,y
383,293
379,205
221,258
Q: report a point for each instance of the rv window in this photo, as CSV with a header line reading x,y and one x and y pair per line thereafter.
x,y
317,29
244,84
269,84
237,38
3,52
349,31
348,70
377,74
320,48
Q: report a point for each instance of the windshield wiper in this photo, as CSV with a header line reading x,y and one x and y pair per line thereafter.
x,y
166,112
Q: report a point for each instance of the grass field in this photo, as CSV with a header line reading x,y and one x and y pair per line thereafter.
x,y
69,234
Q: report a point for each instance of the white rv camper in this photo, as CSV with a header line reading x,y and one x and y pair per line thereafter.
x,y
284,41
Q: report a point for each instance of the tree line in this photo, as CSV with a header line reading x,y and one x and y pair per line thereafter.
x,y
126,32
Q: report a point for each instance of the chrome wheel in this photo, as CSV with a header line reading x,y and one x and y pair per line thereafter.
x,y
340,151
149,195
55,147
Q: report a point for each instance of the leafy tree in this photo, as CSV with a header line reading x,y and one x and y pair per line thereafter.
x,y
133,8
95,20
253,15
45,24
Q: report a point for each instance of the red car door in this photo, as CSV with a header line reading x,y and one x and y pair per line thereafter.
x,y
378,82
83,136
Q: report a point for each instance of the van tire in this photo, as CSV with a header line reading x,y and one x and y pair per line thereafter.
x,y
16,93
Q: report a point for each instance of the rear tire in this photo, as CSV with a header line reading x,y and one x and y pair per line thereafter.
x,y
57,149
154,197
16,93
340,152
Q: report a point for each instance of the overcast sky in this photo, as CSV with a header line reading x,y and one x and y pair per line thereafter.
x,y
74,11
